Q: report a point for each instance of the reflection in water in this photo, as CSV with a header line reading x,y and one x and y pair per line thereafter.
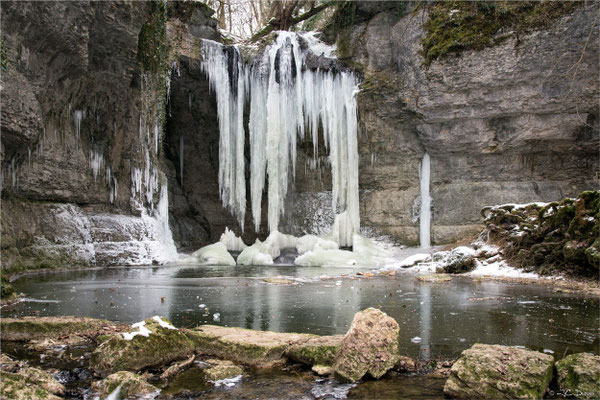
x,y
425,322
448,317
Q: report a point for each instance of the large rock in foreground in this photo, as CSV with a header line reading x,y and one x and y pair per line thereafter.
x,y
35,328
499,372
244,345
579,374
20,387
370,346
152,342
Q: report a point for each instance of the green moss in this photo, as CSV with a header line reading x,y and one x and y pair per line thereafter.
x,y
6,289
162,346
30,328
152,40
455,26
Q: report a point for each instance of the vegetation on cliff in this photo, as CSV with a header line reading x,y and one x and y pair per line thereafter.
x,y
558,237
455,26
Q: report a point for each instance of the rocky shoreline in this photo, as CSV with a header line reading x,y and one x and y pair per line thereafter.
x,y
107,358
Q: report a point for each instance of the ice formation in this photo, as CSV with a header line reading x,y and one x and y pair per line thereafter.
x,y
231,241
213,254
228,79
163,323
425,218
287,102
257,254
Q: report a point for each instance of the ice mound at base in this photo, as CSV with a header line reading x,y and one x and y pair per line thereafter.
x,y
365,252
308,243
263,253
213,254
327,258
231,241
257,254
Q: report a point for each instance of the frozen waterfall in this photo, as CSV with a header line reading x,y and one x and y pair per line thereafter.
x,y
287,102
425,217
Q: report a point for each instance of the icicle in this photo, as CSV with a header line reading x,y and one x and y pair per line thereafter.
x,y
29,156
223,66
78,117
164,234
425,215
96,161
181,160
190,101
156,136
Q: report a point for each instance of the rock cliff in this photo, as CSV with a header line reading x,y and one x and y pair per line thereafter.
x,y
84,104
514,121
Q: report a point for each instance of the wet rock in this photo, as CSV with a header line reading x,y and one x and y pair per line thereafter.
x,y
406,364
370,346
322,369
19,387
221,369
316,351
434,278
129,383
40,328
494,371
161,346
244,345
579,374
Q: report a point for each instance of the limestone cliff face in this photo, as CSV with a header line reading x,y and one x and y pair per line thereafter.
x,y
83,145
501,124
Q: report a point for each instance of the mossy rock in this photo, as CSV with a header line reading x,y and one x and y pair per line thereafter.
x,y
316,351
43,379
499,372
221,369
130,384
244,345
35,328
19,387
592,254
579,374
434,278
6,289
162,346
370,346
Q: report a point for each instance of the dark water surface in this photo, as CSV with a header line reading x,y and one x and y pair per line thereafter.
x,y
446,317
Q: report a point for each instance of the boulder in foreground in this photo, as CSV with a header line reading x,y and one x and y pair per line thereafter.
x,y
244,345
579,374
499,372
152,342
36,328
370,346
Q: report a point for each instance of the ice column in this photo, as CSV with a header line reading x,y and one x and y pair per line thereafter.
x,y
223,65
425,217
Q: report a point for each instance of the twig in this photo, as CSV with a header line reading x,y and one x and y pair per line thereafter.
x,y
578,63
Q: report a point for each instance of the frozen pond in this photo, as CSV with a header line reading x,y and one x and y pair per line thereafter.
x,y
437,320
